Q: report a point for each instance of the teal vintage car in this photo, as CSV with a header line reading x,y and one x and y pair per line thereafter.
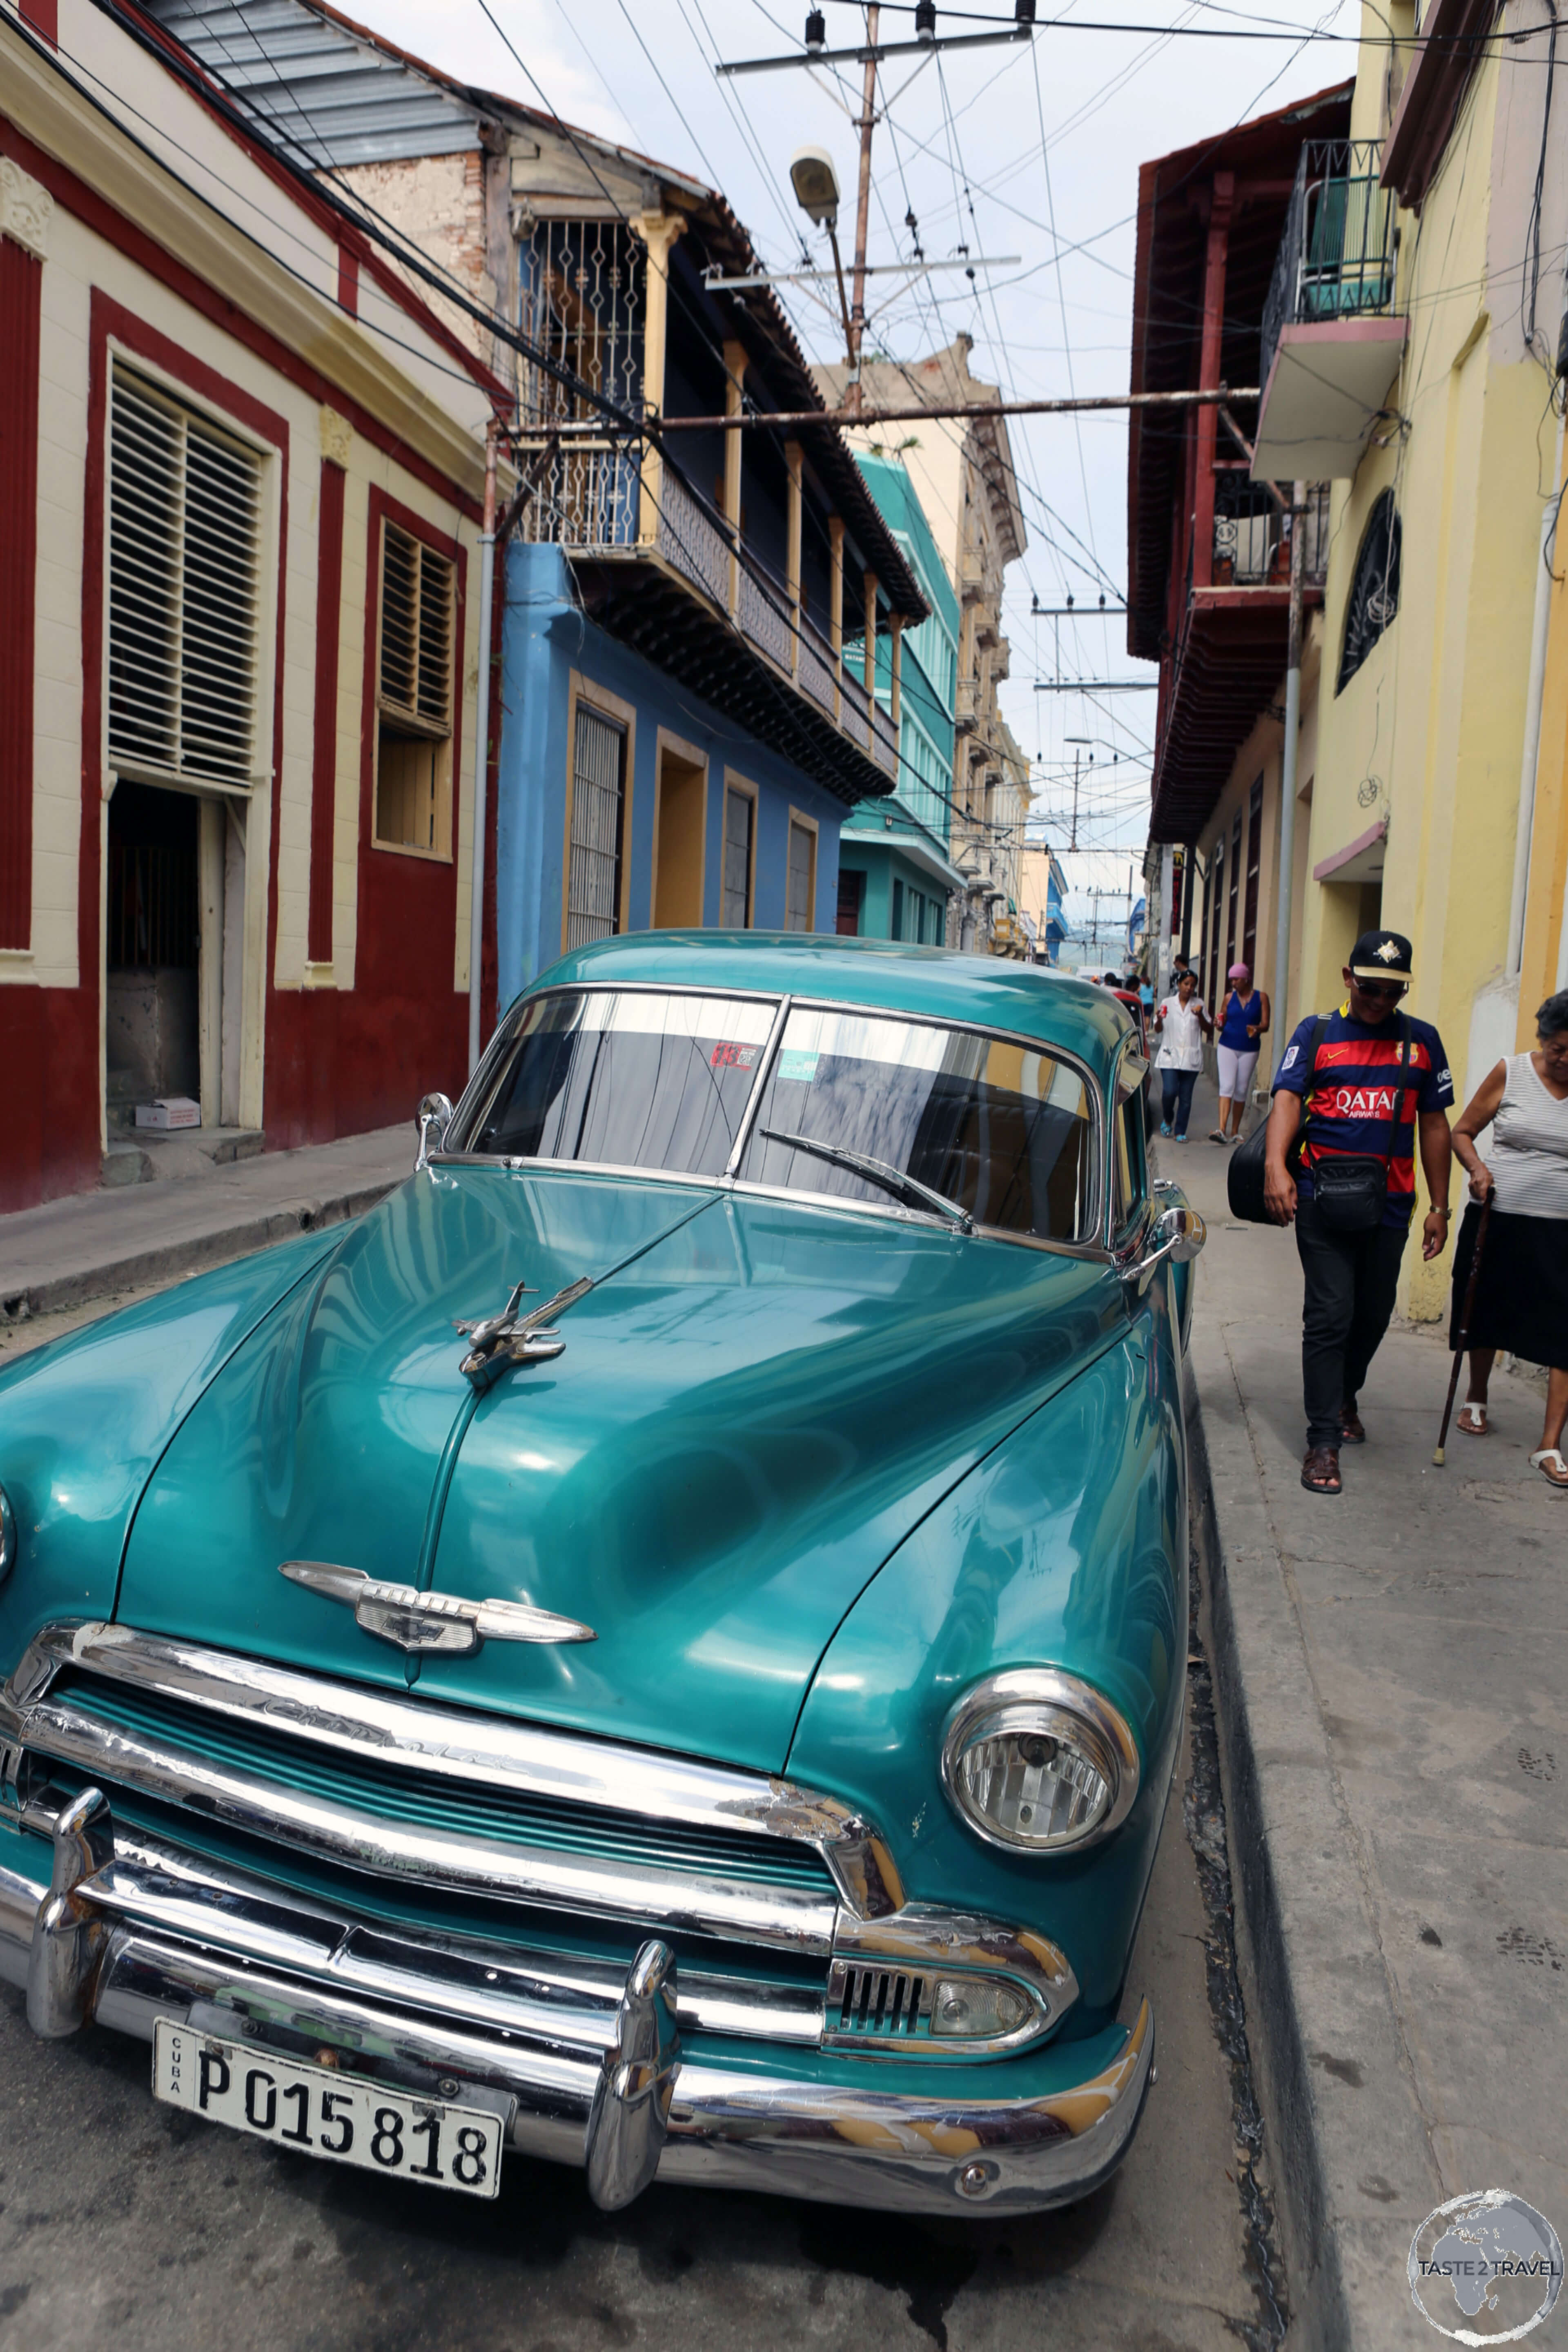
x,y
661,1646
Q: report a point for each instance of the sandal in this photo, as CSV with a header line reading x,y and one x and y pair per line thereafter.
x,y
1550,1465
1321,1471
1476,1424
1218,1135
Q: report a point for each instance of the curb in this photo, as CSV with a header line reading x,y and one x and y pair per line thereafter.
x,y
1353,2165
163,1261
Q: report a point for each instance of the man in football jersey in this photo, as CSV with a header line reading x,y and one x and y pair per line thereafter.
x,y
1334,1096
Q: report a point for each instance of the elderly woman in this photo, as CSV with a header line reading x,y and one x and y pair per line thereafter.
x,y
1522,1292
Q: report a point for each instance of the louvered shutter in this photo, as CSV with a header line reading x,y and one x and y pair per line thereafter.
x,y
184,561
416,634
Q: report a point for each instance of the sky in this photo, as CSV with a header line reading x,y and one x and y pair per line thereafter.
x,y
1027,156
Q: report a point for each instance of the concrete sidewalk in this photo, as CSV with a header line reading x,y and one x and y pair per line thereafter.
x,y
1393,1685
92,1244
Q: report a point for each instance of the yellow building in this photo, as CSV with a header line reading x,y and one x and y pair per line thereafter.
x,y
1543,942
1409,358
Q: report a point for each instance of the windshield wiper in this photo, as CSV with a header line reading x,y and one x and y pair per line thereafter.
x,y
880,1172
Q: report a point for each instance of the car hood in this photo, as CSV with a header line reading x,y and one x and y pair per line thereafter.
x,y
756,1404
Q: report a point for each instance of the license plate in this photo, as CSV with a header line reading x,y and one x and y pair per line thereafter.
x,y
341,2116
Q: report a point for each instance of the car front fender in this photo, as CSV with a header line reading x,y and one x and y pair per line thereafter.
x,y
84,1419
1066,1548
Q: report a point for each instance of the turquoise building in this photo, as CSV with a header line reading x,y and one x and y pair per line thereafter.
x,y
895,875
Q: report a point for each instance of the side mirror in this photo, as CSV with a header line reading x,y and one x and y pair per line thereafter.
x,y
1178,1234
433,1119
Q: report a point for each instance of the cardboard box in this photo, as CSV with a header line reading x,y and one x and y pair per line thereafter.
x,y
168,1112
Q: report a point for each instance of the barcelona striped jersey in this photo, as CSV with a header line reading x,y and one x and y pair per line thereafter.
x,y
1351,1105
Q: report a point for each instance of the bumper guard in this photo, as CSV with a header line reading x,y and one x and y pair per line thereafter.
x,y
598,2080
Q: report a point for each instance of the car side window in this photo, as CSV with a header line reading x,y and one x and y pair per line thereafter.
x,y
1129,1183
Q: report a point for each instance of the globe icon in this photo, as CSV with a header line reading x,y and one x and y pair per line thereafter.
x,y
1485,2268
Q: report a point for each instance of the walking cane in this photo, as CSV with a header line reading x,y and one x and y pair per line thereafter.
x,y
1464,1326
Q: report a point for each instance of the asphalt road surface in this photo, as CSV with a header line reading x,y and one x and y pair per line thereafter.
x,y
128,2223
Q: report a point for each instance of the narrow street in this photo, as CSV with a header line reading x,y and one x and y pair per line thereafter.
x,y
126,2222
121,2217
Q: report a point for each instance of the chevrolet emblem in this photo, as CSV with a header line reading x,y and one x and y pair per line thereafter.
x,y
430,1621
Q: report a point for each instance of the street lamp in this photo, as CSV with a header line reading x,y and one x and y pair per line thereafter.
x,y
815,185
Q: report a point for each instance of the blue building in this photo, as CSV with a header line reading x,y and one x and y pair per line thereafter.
x,y
895,869
1043,886
691,624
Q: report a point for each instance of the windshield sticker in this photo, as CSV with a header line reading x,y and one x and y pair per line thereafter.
x,y
797,1067
728,1056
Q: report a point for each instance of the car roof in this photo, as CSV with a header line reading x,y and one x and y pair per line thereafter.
x,y
989,992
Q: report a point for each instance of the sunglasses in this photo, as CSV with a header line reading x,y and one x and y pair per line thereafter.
x,y
1384,992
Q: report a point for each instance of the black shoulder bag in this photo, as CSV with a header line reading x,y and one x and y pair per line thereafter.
x,y
1351,1189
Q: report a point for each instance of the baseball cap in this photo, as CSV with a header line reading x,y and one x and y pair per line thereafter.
x,y
1381,955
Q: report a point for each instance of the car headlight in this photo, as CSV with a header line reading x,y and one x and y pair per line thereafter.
x,y
8,1535
1039,1762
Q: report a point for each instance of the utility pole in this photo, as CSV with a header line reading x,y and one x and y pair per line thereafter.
x,y
1287,764
863,209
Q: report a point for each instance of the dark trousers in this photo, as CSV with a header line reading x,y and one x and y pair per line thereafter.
x,y
1176,1093
1351,1282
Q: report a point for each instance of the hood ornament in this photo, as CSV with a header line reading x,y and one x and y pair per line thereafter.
x,y
430,1621
510,1338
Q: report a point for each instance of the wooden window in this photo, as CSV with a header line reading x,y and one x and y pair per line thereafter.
x,y
800,901
414,697
740,818
1233,894
185,592
1215,915
598,827
1254,874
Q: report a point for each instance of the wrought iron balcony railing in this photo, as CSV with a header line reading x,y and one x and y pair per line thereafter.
x,y
1337,257
586,499
1252,544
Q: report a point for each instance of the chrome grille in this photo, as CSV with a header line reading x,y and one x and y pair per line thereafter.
x,y
878,2004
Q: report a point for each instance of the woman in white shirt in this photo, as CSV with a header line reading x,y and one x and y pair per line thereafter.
x,y
1521,1291
1181,1022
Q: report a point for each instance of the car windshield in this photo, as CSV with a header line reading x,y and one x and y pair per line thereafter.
x,y
1004,1130
630,1079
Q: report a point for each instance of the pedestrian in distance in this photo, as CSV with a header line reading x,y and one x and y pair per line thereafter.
x,y
1146,994
1244,1021
1522,1288
1181,1022
1353,1091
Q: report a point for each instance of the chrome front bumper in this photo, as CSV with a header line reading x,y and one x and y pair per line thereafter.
x,y
586,2066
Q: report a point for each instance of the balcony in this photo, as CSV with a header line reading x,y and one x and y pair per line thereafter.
x,y
1230,652
1252,538
681,600
1331,342
966,711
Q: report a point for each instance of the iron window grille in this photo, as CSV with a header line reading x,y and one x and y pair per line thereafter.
x,y
582,298
184,602
1373,599
598,825
739,818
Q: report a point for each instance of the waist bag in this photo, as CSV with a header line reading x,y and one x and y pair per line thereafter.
x,y
1350,1188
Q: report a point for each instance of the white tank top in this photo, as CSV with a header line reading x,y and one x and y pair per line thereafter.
x,y
1529,1158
